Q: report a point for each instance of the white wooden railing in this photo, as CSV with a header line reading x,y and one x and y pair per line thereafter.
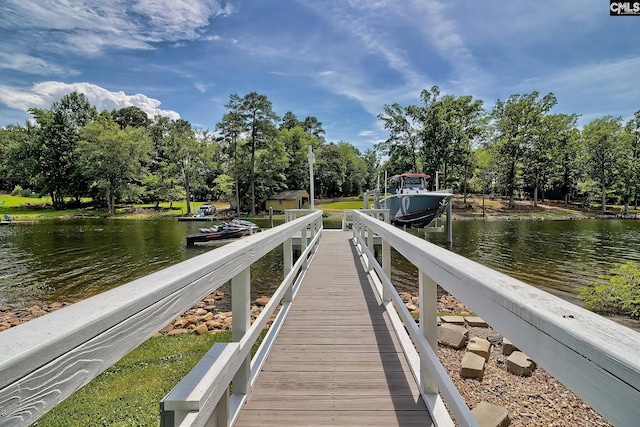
x,y
45,360
596,358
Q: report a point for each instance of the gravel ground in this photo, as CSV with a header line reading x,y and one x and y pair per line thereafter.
x,y
538,400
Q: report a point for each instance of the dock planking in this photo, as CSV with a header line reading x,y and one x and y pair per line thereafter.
x,y
336,360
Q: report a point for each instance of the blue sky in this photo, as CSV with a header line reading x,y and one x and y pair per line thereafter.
x,y
338,60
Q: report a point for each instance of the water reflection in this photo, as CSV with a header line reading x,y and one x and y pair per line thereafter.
x,y
73,259
557,256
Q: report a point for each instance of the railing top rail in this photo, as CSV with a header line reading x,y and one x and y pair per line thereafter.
x,y
29,346
594,356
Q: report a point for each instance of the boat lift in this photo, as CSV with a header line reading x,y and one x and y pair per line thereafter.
x,y
437,226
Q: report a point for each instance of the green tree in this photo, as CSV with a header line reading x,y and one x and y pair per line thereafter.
x,y
296,143
516,124
331,169
182,154
130,116
569,162
542,155
231,129
259,121
631,159
112,158
54,166
403,137
356,170
602,145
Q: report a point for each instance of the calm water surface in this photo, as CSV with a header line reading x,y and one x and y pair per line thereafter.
x,y
73,259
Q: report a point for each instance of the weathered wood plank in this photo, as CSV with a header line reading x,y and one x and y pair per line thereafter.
x,y
336,360
333,418
339,403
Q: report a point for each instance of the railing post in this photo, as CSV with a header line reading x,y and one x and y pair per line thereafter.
x,y
303,245
241,311
287,253
428,301
386,266
370,246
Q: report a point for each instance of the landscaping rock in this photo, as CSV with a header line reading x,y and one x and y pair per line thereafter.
x,y
455,320
452,335
508,347
479,346
201,329
519,363
262,301
475,321
489,415
178,332
472,366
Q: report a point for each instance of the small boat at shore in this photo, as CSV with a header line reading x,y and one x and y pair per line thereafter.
x,y
227,230
411,203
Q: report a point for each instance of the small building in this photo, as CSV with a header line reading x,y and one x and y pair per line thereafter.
x,y
293,199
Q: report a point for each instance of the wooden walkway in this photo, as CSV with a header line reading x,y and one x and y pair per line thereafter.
x,y
336,361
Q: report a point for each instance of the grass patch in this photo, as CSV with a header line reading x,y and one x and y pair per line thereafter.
x,y
129,392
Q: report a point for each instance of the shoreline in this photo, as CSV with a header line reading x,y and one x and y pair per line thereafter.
x,y
538,399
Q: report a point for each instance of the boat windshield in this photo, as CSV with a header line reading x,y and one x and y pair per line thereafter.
x,y
413,182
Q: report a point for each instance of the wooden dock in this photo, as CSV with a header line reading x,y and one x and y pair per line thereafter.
x,y
336,360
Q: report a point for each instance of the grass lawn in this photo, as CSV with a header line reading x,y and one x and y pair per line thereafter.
x,y
129,392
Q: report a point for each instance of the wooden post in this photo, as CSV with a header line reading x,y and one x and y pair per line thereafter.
x,y
370,246
386,266
287,252
241,310
428,300
449,222
303,245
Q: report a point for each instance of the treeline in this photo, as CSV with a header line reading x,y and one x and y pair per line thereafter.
x,y
72,151
519,148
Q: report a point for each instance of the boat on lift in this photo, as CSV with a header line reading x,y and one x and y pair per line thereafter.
x,y
411,203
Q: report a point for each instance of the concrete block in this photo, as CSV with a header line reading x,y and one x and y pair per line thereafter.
x,y
508,347
519,363
479,346
472,366
476,321
452,335
455,320
489,415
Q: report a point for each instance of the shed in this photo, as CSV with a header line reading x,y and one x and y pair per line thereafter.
x,y
292,199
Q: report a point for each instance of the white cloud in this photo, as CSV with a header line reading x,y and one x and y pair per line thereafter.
x,y
90,28
43,94
19,61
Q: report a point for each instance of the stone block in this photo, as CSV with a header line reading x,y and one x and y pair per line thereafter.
x,y
479,346
452,335
201,329
508,347
519,363
472,366
475,321
455,320
489,415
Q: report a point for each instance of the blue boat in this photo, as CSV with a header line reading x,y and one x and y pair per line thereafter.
x,y
411,203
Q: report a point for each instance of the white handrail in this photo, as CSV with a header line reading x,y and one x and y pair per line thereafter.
x,y
45,360
595,357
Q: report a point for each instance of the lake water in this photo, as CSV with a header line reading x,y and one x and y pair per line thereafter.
x,y
68,260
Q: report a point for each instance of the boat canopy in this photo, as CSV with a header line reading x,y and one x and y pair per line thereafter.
x,y
417,181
